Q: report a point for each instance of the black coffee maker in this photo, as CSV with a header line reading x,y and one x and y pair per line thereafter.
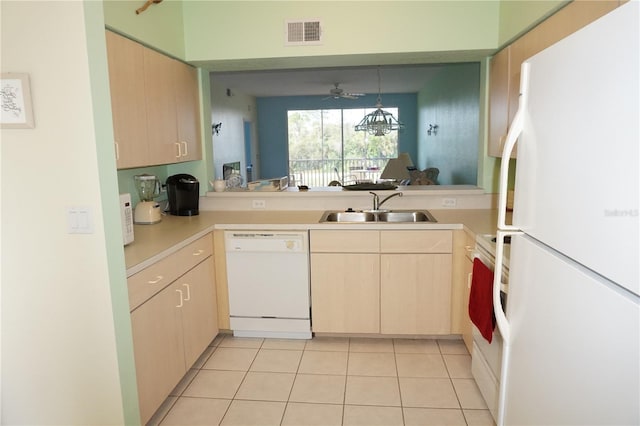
x,y
184,193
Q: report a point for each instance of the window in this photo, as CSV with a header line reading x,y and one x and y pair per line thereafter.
x,y
324,146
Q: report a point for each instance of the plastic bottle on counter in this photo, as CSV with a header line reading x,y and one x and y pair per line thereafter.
x,y
249,172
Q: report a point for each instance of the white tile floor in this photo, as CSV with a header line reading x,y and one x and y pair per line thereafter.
x,y
328,381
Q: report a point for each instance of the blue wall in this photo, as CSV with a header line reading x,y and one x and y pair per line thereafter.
x,y
452,101
272,124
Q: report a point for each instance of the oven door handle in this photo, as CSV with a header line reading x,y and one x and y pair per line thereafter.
x,y
501,318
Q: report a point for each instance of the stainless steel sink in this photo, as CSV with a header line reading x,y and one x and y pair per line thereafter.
x,y
405,216
348,217
392,216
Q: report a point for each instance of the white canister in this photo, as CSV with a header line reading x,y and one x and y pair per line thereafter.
x,y
219,185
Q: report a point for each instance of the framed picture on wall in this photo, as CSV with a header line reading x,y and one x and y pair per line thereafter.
x,y
16,111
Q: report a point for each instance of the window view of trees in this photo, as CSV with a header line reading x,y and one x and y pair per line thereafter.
x,y
324,146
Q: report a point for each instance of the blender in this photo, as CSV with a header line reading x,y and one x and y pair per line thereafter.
x,y
147,211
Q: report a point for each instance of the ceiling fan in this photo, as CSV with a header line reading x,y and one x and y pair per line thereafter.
x,y
337,93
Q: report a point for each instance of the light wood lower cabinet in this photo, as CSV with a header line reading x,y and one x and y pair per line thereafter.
x,y
464,244
390,282
415,293
345,292
175,323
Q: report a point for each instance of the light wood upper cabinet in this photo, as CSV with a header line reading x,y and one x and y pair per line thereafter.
x,y
188,117
162,125
504,72
155,105
126,79
498,101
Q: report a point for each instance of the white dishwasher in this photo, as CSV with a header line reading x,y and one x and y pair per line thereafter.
x,y
268,280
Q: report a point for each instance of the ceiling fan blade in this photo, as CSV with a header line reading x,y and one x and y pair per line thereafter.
x,y
349,96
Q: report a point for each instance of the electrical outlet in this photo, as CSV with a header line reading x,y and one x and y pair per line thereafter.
x,y
449,202
258,204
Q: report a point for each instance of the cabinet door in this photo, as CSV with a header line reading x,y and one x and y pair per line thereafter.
x,y
498,101
161,108
466,325
199,313
187,110
345,293
463,247
157,343
415,293
126,81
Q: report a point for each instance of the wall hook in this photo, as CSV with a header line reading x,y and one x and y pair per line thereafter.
x,y
433,129
146,5
215,128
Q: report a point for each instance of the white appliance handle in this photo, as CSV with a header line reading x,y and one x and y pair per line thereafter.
x,y
512,136
501,320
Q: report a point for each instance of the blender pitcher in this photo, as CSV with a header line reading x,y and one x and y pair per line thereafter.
x,y
147,211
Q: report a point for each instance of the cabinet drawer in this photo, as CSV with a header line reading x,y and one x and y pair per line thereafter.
x,y
347,241
416,241
154,278
151,280
194,253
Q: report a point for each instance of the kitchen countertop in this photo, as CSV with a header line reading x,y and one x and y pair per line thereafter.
x,y
154,242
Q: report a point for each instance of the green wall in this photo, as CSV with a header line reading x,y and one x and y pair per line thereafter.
x,y
516,17
98,71
354,32
160,26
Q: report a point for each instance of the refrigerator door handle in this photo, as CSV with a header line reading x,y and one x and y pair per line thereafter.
x,y
512,136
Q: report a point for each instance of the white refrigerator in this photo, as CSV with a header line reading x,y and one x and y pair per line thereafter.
x,y
572,324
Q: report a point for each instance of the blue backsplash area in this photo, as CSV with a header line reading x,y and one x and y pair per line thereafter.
x,y
452,102
272,123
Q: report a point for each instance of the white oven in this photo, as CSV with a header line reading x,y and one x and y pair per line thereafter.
x,y
486,358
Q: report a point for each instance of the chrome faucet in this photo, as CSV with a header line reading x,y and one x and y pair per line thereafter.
x,y
376,199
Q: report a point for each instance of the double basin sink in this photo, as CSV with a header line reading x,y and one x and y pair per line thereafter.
x,y
384,216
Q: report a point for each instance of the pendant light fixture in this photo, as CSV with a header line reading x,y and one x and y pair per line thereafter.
x,y
379,122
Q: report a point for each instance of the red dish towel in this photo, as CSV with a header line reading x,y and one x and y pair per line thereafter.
x,y
481,299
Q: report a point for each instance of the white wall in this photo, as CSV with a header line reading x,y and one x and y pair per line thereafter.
x,y
59,358
232,111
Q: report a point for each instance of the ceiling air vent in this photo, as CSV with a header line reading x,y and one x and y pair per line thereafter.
x,y
306,32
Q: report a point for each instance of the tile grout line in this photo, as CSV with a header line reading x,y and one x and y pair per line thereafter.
x,y
346,378
395,360
295,377
241,382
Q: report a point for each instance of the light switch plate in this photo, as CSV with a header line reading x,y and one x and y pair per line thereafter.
x,y
449,202
258,204
79,220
